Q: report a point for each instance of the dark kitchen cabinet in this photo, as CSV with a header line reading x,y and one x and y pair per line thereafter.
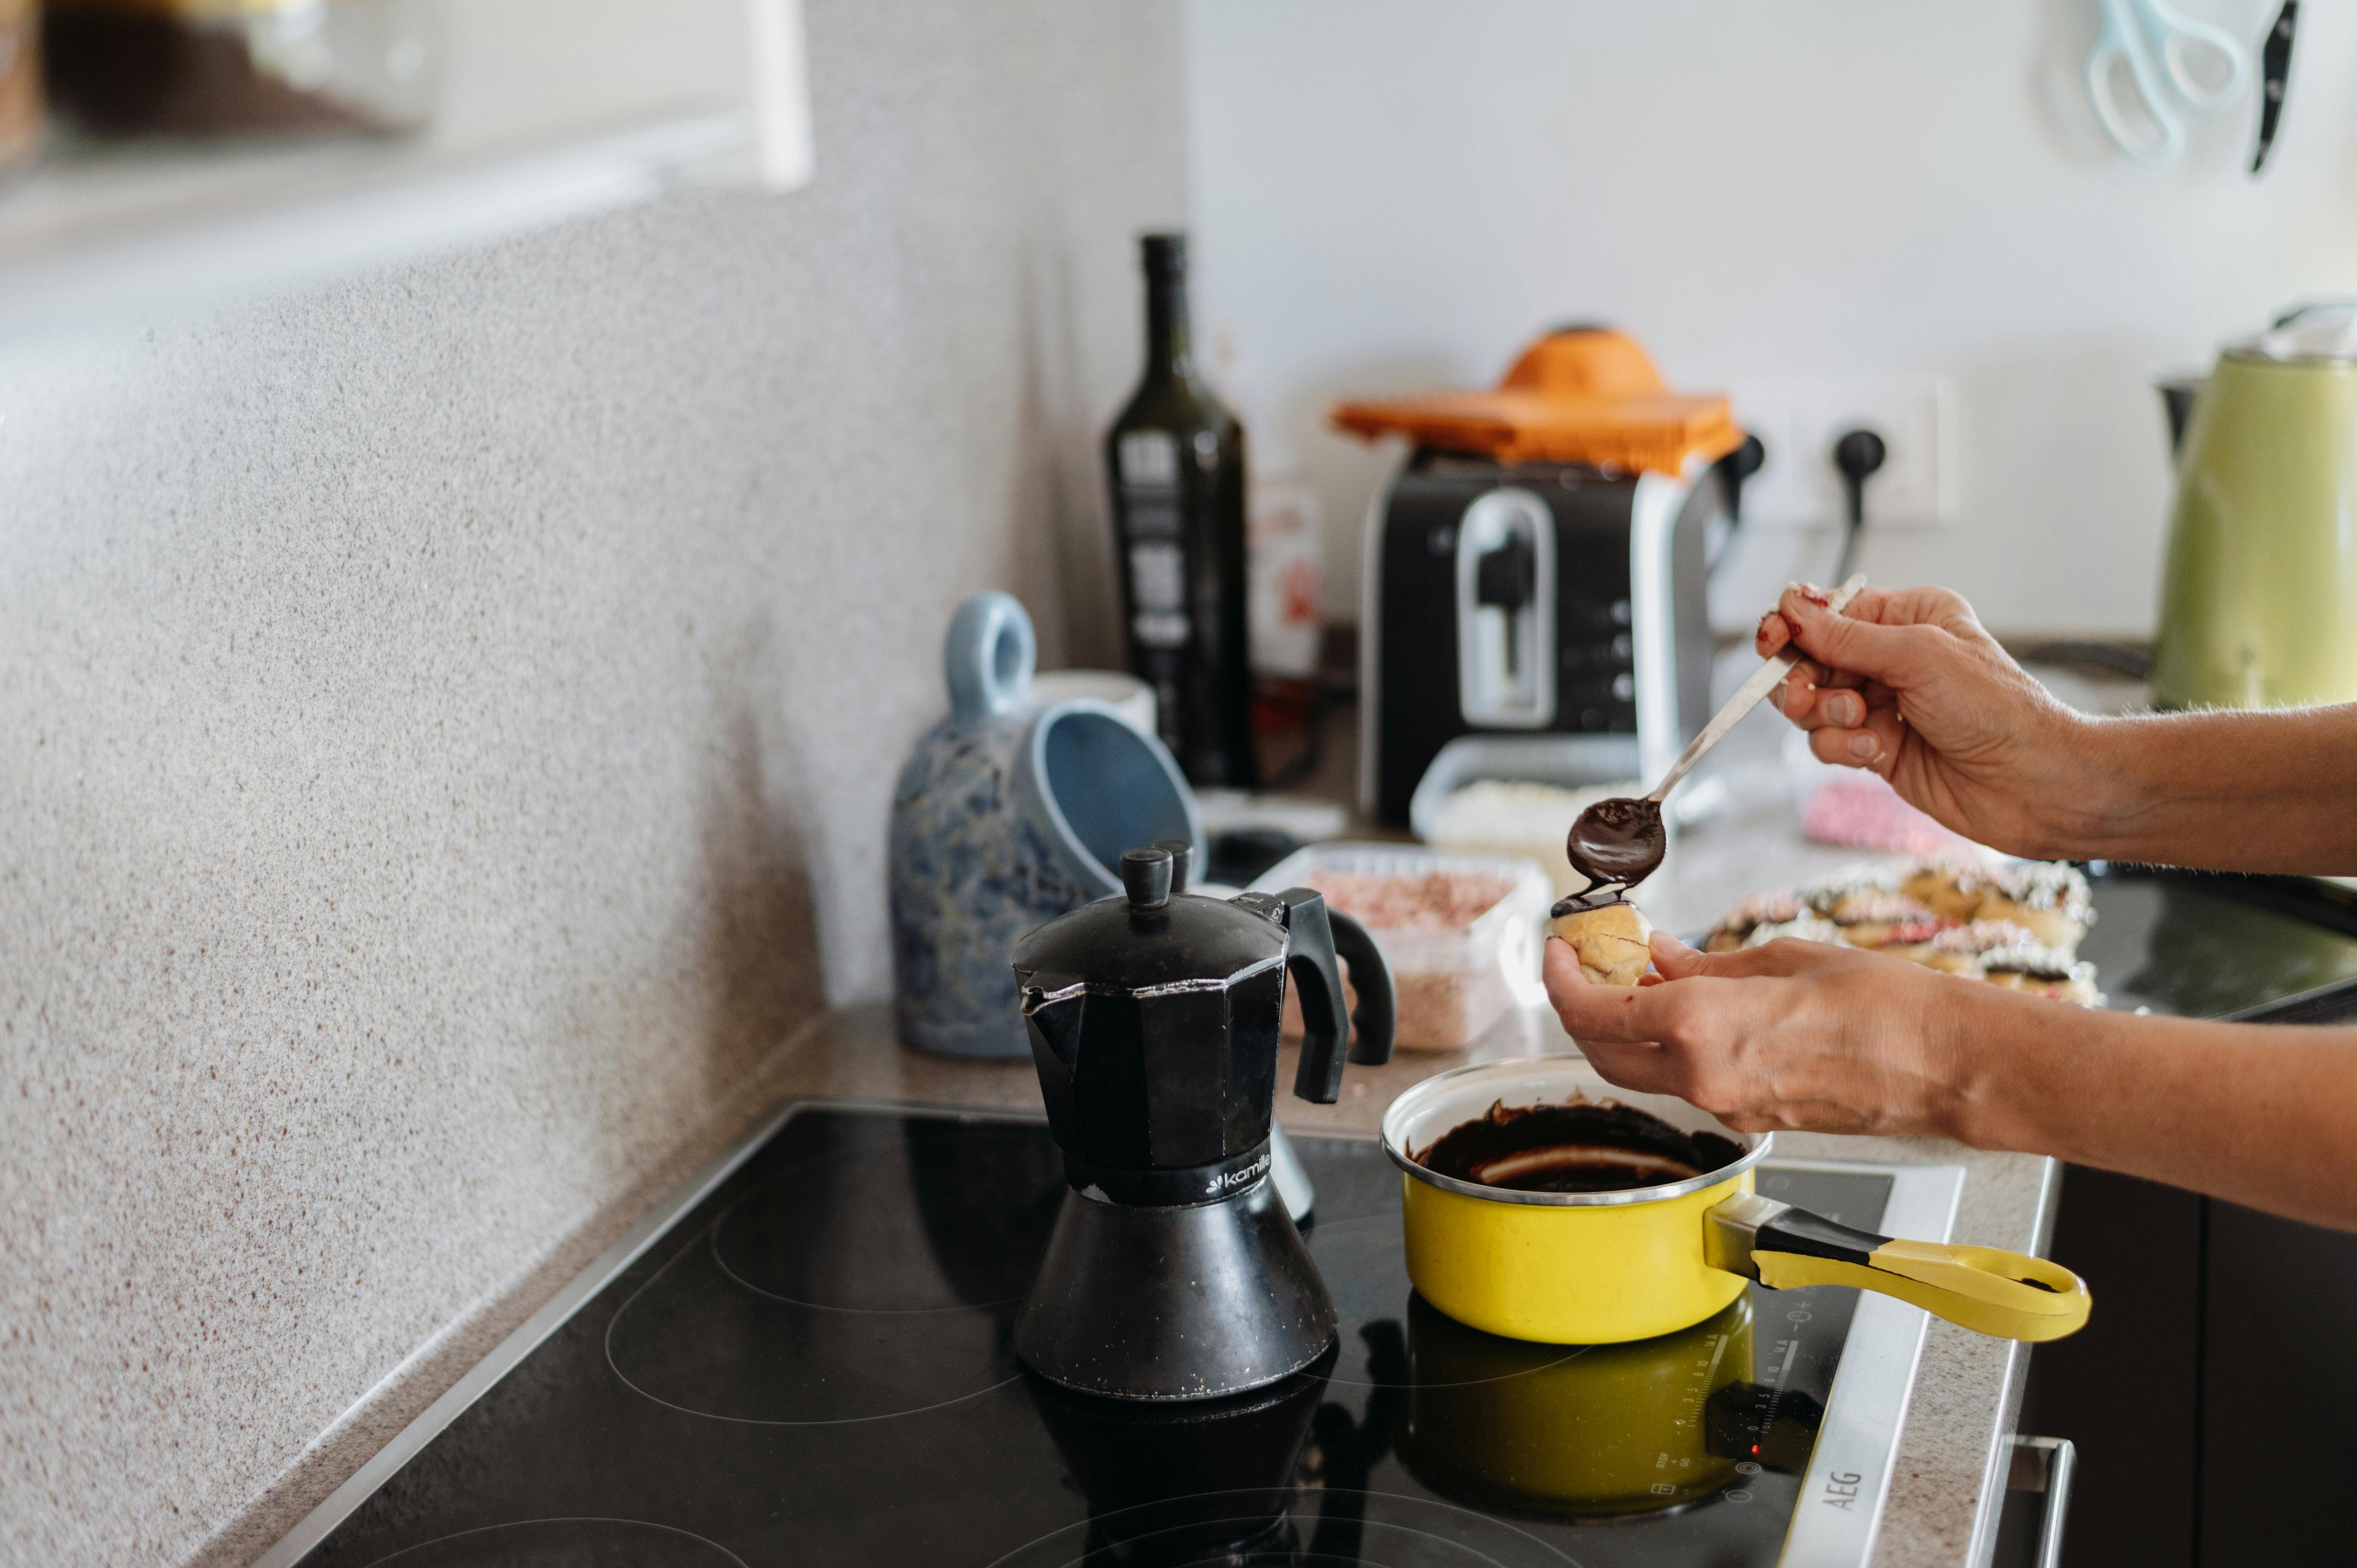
x,y
2207,1396
2210,1396
2278,1381
2123,1389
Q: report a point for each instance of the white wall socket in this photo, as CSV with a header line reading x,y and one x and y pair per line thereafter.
x,y
1799,421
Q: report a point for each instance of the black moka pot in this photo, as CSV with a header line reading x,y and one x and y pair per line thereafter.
x,y
1174,1271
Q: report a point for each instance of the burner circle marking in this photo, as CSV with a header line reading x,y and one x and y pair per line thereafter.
x,y
955,1217
778,1360
1506,1546
556,1544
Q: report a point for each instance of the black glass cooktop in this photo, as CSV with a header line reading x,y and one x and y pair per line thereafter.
x,y
2212,947
811,1368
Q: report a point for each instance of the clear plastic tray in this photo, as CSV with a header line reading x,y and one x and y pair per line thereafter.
x,y
1452,985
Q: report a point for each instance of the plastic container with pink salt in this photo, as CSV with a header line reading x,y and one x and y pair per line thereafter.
x,y
1463,933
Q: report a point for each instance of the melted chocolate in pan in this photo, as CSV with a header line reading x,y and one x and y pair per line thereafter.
x,y
1577,1147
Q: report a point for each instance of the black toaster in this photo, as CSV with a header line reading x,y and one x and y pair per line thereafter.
x,y
1546,621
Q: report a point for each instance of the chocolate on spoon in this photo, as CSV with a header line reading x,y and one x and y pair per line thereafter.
x,y
1618,842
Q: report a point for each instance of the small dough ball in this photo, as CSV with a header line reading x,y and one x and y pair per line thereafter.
x,y
1611,943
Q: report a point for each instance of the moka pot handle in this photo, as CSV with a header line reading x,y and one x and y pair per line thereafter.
x,y
1319,941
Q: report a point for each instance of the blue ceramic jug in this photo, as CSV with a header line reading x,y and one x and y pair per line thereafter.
x,y
1009,813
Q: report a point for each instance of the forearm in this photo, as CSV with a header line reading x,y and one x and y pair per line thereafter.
x,y
2259,1115
2261,791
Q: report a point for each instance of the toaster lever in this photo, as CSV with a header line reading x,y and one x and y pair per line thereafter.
x,y
1507,578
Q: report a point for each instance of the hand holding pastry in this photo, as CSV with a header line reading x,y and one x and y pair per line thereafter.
x,y
1792,1034
1609,941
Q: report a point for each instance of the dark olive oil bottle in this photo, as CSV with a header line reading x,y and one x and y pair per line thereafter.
x,y
1177,461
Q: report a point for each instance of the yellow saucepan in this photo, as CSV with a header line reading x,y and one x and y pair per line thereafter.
x,y
1596,1268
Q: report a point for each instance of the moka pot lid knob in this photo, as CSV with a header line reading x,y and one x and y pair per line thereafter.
x,y
1149,942
1146,877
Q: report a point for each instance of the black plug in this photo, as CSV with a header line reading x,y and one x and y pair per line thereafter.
x,y
1736,466
1857,454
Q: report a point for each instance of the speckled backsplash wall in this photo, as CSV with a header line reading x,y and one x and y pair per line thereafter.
x,y
448,719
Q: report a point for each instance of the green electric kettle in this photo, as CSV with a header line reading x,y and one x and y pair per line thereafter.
x,y
2258,605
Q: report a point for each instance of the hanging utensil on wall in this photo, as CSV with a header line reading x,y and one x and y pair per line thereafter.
x,y
2275,73
2155,44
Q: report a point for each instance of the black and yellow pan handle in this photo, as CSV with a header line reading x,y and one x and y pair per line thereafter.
x,y
1986,1289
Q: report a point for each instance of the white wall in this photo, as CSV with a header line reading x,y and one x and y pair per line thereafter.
x,y
1390,194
